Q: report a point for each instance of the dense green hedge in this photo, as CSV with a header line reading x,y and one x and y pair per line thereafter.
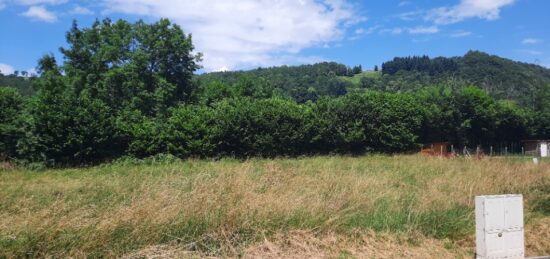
x,y
379,122
77,130
11,105
270,127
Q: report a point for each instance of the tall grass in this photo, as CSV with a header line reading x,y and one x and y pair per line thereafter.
x,y
223,207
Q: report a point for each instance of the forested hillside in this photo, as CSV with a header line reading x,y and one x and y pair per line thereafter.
x,y
302,83
21,82
502,78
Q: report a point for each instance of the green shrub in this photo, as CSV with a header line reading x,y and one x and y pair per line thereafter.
x,y
191,131
64,128
142,136
266,127
11,110
379,122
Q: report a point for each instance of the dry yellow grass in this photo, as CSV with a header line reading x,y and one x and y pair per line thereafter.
x,y
370,206
305,244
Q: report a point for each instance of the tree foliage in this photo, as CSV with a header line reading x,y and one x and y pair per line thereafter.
x,y
265,127
142,66
501,78
80,110
23,84
11,108
470,116
378,122
301,83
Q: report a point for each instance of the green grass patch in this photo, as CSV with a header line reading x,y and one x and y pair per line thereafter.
x,y
356,79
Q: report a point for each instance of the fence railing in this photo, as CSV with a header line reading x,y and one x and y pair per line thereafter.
x,y
498,149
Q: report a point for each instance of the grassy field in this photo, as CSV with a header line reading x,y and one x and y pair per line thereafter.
x,y
356,79
369,206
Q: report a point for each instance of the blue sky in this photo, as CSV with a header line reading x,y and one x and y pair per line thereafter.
x,y
241,34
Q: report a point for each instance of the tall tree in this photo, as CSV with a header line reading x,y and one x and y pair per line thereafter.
x,y
110,70
141,66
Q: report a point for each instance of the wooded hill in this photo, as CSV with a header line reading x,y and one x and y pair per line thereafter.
x,y
502,78
302,83
22,83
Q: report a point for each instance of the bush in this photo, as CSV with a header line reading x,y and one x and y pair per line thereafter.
x,y
63,128
268,127
378,122
11,110
142,136
191,131
77,131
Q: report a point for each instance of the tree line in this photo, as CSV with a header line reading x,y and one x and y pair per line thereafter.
x,y
502,78
21,82
301,83
128,89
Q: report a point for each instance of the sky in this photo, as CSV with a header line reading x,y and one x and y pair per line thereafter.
x,y
245,34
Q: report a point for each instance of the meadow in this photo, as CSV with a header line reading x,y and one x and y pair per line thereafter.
x,y
325,206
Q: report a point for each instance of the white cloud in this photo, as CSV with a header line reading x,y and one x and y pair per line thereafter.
x,y
6,69
79,10
423,30
364,31
394,31
4,3
40,13
360,31
404,3
39,2
411,16
461,34
246,33
413,30
482,9
531,41
31,72
531,52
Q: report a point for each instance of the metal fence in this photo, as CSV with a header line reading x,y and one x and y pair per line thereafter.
x,y
494,149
